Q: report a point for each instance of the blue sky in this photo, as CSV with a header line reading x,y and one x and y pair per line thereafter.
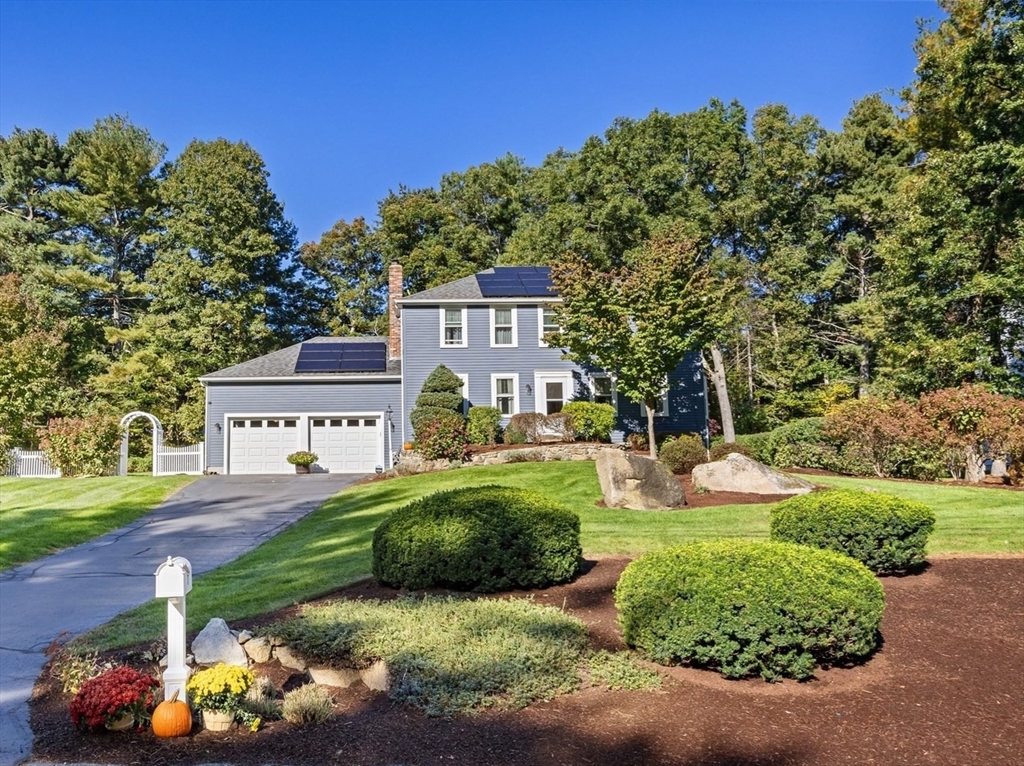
x,y
346,101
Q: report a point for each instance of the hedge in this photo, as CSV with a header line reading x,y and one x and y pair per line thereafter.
x,y
887,534
482,539
745,608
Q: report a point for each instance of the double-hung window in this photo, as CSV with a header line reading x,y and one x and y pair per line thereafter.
x,y
660,410
503,326
546,322
453,327
603,389
504,393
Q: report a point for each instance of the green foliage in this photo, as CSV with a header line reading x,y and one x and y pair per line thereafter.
x,y
140,464
682,454
619,670
87,446
513,435
591,421
309,704
745,608
440,396
800,443
446,655
442,437
484,425
302,457
722,450
757,444
529,424
484,539
885,533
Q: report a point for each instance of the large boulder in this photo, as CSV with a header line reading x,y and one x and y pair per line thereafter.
x,y
738,473
638,483
216,643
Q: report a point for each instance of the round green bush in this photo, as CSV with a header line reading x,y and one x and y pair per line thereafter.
x,y
483,539
682,454
887,534
746,608
723,450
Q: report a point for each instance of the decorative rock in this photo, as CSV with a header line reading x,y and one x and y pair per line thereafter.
x,y
738,473
376,676
998,468
258,649
289,659
189,660
216,644
244,636
637,483
342,678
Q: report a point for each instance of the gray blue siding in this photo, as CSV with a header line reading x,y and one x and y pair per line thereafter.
x,y
422,352
295,397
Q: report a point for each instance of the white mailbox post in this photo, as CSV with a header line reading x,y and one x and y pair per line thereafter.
x,y
173,581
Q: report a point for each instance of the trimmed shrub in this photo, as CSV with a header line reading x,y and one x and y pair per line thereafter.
x,y
530,424
591,421
722,450
308,704
484,425
443,437
482,539
887,534
682,454
798,442
441,394
757,444
745,608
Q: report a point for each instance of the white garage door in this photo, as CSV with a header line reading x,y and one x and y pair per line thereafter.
x,y
346,444
260,445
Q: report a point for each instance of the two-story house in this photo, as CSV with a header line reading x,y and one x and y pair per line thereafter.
x,y
349,399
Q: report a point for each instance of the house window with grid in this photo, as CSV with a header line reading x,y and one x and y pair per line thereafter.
x,y
503,326
546,322
603,389
453,327
504,392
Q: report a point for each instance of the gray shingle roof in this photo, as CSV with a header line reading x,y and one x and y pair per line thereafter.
x,y
281,364
465,289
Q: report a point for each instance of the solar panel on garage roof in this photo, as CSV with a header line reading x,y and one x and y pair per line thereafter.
x,y
364,357
342,357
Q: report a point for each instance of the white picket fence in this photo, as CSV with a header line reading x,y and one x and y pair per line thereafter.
x,y
30,464
173,460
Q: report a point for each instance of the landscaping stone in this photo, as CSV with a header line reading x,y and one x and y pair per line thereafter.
x,y
376,676
342,678
998,468
637,483
216,644
244,636
738,473
290,659
258,649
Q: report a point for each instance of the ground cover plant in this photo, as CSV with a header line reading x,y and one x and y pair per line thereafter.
x,y
750,608
331,546
42,516
482,539
448,655
887,534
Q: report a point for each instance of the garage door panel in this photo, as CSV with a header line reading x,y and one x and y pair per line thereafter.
x,y
260,445
345,444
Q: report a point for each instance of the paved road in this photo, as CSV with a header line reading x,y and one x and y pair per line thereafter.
x,y
210,522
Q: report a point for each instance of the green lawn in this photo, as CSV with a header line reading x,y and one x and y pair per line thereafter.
x,y
42,516
331,547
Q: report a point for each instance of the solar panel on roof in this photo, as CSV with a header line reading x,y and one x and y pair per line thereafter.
x,y
342,357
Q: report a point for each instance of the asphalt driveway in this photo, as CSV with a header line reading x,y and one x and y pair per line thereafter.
x,y
210,522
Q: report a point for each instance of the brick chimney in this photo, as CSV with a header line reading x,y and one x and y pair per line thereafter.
x,y
394,320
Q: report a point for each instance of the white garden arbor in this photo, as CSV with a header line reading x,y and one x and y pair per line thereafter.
x,y
190,459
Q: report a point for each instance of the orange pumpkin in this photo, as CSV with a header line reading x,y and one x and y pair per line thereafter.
x,y
172,718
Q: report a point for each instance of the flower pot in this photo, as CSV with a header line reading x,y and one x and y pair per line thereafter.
x,y
302,469
215,720
122,722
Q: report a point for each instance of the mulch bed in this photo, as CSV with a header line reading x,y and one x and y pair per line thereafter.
x,y
947,687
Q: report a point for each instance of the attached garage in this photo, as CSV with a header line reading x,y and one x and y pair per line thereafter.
x,y
261,411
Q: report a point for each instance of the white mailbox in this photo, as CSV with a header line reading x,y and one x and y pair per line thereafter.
x,y
173,577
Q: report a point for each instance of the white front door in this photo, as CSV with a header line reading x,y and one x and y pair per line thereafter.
x,y
346,444
260,445
552,391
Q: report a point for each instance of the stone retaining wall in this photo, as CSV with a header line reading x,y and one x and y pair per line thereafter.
x,y
411,462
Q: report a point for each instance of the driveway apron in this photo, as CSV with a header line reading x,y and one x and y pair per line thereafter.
x,y
210,522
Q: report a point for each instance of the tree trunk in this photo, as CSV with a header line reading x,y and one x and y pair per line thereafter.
x,y
651,444
865,370
974,468
717,372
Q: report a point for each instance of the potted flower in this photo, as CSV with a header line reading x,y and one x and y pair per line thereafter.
x,y
220,692
302,460
117,699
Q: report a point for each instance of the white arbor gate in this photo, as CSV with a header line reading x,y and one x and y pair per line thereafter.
x,y
190,459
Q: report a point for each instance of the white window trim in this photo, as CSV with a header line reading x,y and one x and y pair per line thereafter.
x,y
465,328
464,377
664,407
540,400
615,393
515,389
540,326
515,327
